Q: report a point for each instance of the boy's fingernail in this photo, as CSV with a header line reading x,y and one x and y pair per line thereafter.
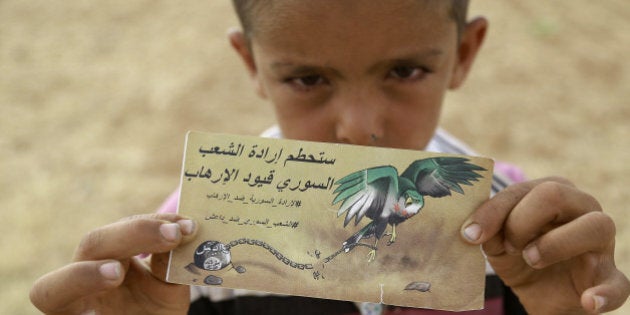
x,y
170,231
186,226
110,270
531,255
600,301
472,232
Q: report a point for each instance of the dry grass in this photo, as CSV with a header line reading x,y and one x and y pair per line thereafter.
x,y
96,98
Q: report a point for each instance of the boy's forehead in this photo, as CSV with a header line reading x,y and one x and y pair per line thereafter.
x,y
267,16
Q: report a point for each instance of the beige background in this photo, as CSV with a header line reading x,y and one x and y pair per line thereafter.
x,y
95,98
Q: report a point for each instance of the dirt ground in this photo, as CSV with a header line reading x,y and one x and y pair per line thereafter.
x,y
96,97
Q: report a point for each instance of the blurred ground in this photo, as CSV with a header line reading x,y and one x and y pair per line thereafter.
x,y
95,99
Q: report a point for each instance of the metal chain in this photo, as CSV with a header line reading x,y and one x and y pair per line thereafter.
x,y
286,260
272,250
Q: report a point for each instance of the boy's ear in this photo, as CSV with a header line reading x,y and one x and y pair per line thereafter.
x,y
243,49
471,39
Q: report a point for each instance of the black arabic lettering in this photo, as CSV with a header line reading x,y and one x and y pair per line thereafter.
x,y
230,175
308,158
275,158
201,173
252,153
191,175
259,181
282,185
263,153
215,216
306,185
233,150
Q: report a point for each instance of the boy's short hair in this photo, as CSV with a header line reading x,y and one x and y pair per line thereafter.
x,y
246,9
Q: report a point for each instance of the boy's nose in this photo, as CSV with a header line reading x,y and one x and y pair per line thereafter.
x,y
360,122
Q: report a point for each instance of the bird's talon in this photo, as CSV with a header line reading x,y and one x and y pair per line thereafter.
x,y
371,255
393,238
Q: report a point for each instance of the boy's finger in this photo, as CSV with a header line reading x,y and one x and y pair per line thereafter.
x,y
546,206
490,217
591,233
56,291
127,238
608,295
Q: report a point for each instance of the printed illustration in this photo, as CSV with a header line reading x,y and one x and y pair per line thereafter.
x,y
387,198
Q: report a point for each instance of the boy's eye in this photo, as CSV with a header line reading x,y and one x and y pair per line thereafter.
x,y
307,81
310,80
406,72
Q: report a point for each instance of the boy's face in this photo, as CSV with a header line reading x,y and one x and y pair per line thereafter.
x,y
368,73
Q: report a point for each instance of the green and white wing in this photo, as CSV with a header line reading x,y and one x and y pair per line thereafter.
x,y
365,192
437,177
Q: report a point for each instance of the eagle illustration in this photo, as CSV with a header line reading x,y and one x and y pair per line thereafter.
x,y
380,194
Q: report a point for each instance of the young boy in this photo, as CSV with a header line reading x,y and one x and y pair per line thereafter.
x,y
367,73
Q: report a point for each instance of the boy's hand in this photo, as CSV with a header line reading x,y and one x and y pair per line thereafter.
x,y
553,245
106,277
